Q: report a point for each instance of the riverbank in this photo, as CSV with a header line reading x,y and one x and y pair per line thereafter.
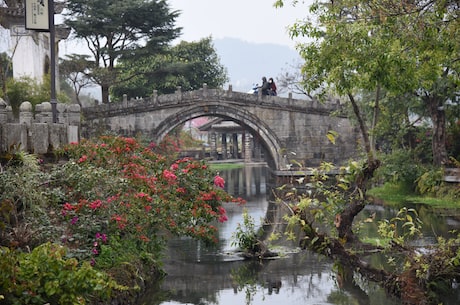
x,y
395,194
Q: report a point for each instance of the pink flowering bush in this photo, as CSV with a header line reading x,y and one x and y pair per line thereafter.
x,y
120,198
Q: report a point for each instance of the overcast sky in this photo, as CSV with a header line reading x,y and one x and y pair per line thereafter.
x,y
250,20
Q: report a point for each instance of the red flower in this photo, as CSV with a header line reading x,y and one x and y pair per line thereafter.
x,y
169,175
68,207
144,238
223,218
219,181
95,204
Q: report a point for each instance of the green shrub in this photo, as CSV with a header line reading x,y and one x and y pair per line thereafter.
x,y
46,275
245,236
430,182
24,221
401,166
27,89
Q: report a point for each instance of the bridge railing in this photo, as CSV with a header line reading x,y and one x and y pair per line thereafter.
x,y
206,94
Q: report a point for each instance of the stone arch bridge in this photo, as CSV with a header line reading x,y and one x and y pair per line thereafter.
x,y
290,131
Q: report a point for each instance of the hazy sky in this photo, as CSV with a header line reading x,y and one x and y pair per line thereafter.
x,y
250,20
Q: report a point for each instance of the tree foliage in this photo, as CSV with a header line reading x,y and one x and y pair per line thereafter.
x,y
187,65
120,29
390,60
5,72
25,89
394,47
76,70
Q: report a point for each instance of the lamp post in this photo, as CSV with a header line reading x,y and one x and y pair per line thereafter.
x,y
53,60
38,18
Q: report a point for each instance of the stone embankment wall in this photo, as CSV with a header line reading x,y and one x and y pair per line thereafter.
x,y
34,130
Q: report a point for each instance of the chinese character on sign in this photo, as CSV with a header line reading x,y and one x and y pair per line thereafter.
x,y
37,15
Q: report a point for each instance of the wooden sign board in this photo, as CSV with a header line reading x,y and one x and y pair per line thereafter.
x,y
37,15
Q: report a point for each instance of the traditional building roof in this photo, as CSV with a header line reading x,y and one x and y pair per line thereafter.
x,y
221,125
11,16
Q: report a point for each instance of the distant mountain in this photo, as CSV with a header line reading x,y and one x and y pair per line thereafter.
x,y
247,62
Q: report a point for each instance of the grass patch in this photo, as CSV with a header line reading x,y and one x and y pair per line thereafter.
x,y
223,166
376,241
395,194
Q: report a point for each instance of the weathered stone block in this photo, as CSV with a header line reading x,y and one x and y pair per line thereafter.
x,y
57,135
39,140
15,135
73,134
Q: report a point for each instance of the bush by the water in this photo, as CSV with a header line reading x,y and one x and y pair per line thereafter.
x,y
110,204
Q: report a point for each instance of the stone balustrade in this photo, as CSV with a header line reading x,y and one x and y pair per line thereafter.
x,y
34,130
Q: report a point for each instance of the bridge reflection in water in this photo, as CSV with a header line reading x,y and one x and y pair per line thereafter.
x,y
200,275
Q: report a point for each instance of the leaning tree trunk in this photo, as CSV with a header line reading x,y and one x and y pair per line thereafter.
x,y
344,220
438,118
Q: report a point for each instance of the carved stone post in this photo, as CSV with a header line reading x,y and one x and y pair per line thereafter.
x,y
25,113
155,97
44,113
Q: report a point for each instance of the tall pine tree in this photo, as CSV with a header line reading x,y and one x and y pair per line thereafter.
x,y
116,29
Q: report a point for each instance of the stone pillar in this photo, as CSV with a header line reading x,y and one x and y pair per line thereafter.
x,y
25,114
247,147
235,145
61,113
155,97
213,143
224,146
125,101
257,149
43,113
74,114
205,90
9,114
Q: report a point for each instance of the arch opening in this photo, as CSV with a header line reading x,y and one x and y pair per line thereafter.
x,y
250,123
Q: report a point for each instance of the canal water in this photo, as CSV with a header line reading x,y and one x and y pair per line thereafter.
x,y
200,275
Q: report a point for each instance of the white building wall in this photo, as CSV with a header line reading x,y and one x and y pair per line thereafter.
x,y
30,53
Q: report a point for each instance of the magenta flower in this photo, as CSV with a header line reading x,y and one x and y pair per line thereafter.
x,y
74,220
101,236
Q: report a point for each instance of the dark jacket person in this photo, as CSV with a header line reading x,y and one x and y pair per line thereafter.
x,y
265,86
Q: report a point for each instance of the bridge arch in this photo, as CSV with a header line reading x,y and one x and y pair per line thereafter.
x,y
252,123
281,124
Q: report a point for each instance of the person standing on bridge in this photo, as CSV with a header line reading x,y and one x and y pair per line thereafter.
x,y
265,86
272,86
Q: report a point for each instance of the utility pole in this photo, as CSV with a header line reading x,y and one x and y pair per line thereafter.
x,y
52,59
40,17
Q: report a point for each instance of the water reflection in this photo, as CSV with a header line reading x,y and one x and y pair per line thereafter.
x,y
200,275
435,223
